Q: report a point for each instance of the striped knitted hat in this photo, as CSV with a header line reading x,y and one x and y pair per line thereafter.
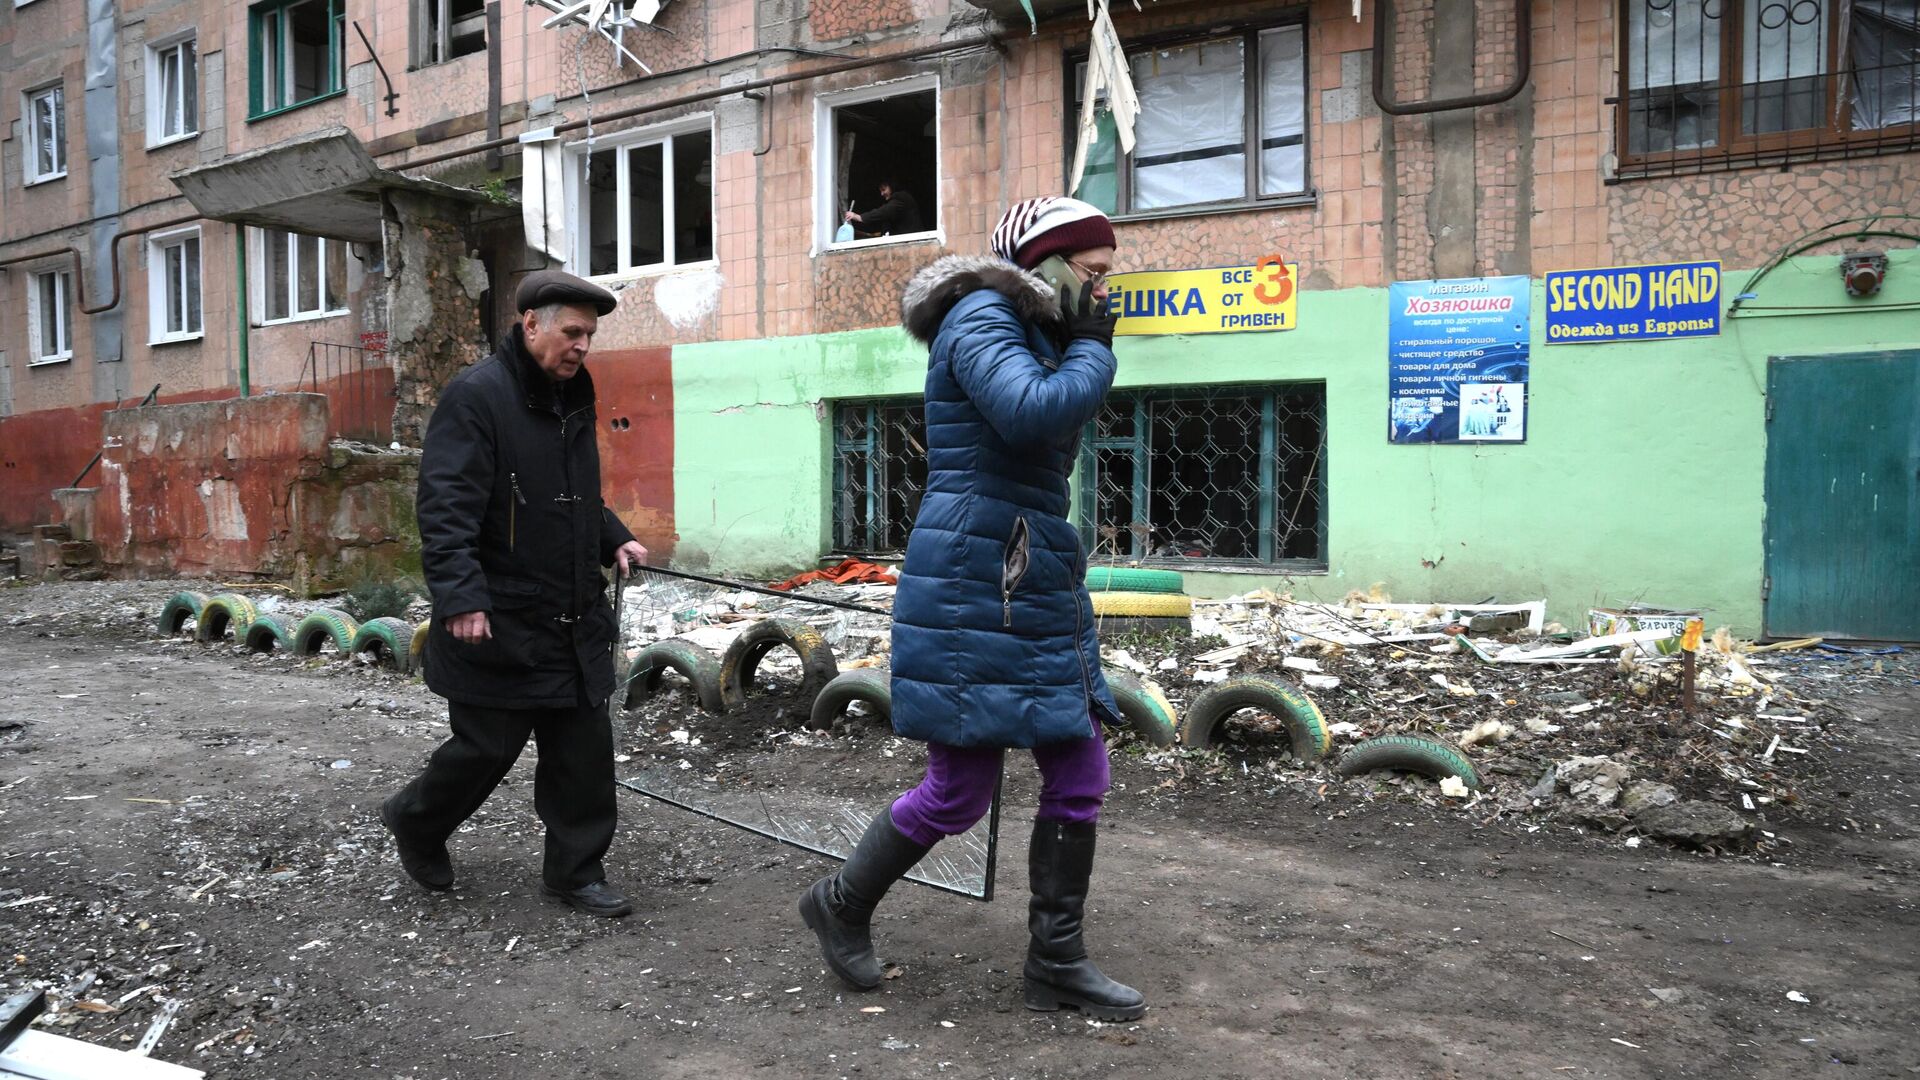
x,y
1033,229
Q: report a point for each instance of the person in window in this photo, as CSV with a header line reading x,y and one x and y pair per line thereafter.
x,y
897,215
513,536
993,636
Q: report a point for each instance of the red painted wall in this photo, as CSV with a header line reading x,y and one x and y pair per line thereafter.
x,y
634,388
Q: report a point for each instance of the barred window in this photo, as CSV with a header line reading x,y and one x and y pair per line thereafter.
x,y
1729,83
879,474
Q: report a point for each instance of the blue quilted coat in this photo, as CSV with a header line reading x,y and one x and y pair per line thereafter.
x,y
993,634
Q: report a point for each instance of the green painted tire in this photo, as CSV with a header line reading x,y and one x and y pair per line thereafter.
x,y
1410,753
1145,708
323,625
227,612
180,609
1306,726
873,686
1133,579
642,678
390,641
269,630
743,657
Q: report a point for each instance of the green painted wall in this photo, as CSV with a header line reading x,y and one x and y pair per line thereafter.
x,y
1641,479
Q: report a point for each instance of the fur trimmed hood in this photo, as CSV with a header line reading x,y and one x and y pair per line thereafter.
x,y
947,280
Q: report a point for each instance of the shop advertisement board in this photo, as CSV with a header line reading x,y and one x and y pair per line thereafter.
x,y
1633,303
1216,300
1457,360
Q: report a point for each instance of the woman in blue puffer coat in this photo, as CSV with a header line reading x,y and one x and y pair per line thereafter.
x,y
993,639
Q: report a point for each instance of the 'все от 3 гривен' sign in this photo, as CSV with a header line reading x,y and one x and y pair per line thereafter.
x,y
1633,303
1217,300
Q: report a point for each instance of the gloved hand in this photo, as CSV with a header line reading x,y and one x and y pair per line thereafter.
x,y
1090,318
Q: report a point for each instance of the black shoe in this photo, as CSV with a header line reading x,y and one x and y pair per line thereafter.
x,y
428,865
1058,973
595,899
839,907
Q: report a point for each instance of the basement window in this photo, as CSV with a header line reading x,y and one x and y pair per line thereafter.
x,y
299,276
173,286
50,317
1226,476
644,202
173,92
879,474
298,53
884,136
46,116
448,29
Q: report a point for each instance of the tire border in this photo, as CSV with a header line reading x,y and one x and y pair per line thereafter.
x,y
874,686
817,664
1306,725
1419,754
1148,712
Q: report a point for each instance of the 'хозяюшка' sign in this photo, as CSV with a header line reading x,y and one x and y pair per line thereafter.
x,y
1217,300
1633,303
1457,354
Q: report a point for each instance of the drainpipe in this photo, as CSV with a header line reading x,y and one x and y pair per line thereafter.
x,y
241,292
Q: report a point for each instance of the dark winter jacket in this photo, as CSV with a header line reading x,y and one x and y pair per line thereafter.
x,y
993,634
899,215
511,524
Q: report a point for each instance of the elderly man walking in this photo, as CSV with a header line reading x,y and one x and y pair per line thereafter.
x,y
513,536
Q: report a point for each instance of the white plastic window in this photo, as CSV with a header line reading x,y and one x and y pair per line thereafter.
x,y
173,92
46,152
645,205
50,316
300,276
173,286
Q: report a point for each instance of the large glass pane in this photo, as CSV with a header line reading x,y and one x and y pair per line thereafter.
x,y
308,63
49,301
1283,111
1673,69
169,111
279,259
600,197
190,284
306,274
646,206
1784,55
1885,39
336,260
189,89
48,142
174,256
273,78
693,197
1191,137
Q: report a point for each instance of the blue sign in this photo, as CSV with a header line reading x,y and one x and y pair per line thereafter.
x,y
1457,360
1633,303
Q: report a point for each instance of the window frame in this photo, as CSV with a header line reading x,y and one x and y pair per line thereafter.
x,y
1266,537
63,316
1732,147
157,106
159,281
578,208
257,251
29,165
432,33
257,44
826,212
875,488
1249,31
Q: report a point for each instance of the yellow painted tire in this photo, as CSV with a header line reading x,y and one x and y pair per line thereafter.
x,y
1158,605
417,648
228,614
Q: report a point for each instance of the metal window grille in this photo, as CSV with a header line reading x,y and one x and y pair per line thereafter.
x,y
359,387
879,474
1231,474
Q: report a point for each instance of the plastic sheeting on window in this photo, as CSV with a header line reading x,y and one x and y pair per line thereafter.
x,y
1283,108
1192,131
1885,37
1675,44
1108,83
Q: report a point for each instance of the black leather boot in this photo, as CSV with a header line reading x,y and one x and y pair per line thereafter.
x,y
1060,863
839,907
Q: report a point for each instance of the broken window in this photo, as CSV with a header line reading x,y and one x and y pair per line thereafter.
x,y
879,474
445,29
173,286
1814,76
646,204
173,92
1224,474
884,165
46,156
1203,104
50,316
299,52
300,276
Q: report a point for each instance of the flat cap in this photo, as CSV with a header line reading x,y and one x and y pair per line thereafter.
x,y
543,287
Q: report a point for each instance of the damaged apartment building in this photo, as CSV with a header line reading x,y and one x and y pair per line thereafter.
x,y
242,245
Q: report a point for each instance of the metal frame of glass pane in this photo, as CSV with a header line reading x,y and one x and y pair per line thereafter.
x,y
879,473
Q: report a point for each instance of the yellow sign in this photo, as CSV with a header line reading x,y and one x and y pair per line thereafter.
x,y
1218,300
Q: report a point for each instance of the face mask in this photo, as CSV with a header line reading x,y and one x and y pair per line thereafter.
x,y
1055,272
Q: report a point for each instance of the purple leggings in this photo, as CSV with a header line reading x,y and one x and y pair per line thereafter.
x,y
958,787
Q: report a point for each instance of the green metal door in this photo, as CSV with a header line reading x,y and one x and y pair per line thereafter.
x,y
1843,496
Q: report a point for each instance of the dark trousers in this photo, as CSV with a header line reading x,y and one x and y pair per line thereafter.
x,y
572,784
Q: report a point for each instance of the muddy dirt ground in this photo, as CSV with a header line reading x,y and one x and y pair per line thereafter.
x,y
183,823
